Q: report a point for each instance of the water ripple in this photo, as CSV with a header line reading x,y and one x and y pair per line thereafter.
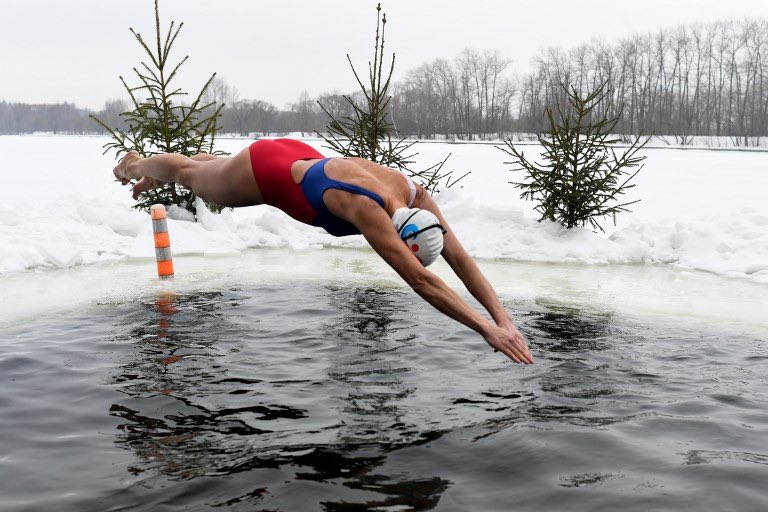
x,y
336,398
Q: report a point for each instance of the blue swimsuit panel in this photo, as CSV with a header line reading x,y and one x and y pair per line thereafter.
x,y
314,185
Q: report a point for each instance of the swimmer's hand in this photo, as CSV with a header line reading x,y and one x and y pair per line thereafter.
x,y
510,342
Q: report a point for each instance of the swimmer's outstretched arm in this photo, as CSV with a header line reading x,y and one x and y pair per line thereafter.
x,y
369,219
466,269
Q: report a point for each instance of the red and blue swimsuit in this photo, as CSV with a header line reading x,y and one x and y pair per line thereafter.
x,y
271,161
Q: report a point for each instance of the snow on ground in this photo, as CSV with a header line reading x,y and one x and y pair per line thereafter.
x,y
699,209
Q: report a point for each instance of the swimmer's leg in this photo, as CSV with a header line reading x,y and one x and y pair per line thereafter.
x,y
224,181
147,183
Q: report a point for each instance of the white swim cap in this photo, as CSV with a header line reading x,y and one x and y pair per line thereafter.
x,y
421,231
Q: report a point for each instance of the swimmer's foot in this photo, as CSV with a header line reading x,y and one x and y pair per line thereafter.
x,y
144,184
125,171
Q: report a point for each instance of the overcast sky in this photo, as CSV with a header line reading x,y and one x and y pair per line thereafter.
x,y
56,50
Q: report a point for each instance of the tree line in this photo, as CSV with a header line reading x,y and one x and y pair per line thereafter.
x,y
702,79
471,96
60,117
694,80
239,116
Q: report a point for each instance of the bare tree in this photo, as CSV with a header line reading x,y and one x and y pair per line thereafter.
x,y
692,80
306,113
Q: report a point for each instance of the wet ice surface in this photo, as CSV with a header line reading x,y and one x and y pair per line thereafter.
x,y
335,396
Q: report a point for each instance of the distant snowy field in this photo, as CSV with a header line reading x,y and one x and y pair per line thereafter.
x,y
699,209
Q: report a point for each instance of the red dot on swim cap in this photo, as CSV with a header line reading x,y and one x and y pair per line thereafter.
x,y
415,247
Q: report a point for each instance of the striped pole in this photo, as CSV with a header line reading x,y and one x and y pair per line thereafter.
x,y
162,242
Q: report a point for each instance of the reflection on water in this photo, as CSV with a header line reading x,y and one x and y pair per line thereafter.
x,y
569,330
178,423
338,398
369,372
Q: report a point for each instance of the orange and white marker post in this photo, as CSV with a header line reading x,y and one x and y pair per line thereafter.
x,y
162,242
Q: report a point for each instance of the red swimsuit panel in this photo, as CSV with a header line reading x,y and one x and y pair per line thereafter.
x,y
271,161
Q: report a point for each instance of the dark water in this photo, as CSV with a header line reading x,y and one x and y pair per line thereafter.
x,y
338,398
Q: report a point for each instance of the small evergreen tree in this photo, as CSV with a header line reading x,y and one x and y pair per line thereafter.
x,y
583,176
160,123
368,131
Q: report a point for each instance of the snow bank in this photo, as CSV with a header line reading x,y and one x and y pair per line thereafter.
x,y
730,246
79,231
